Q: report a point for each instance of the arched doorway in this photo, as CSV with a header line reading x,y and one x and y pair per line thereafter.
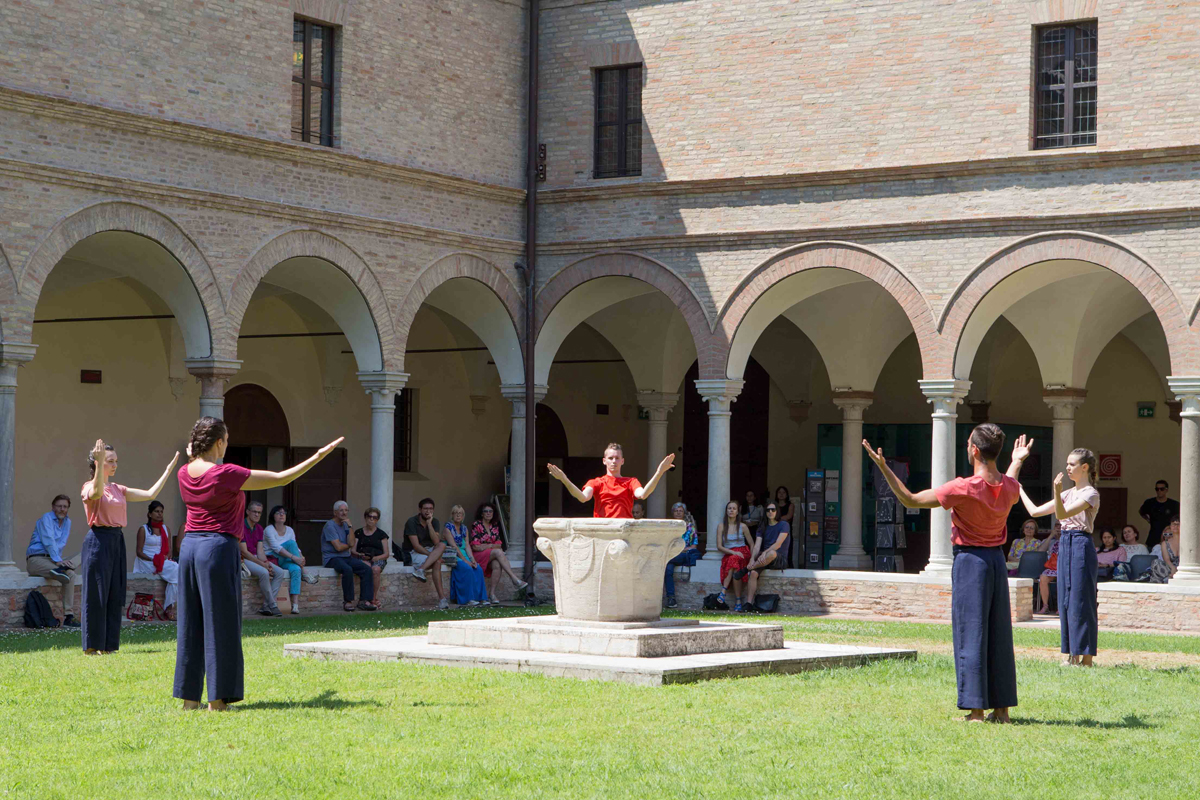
x,y
259,438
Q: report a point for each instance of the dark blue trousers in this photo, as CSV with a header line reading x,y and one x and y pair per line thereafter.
x,y
348,567
209,639
981,619
1077,570
103,588
687,558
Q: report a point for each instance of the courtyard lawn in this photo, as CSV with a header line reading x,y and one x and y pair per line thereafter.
x,y
106,727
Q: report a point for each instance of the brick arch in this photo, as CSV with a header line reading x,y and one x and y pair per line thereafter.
x,y
639,267
118,216
473,268
308,242
8,290
827,254
1066,246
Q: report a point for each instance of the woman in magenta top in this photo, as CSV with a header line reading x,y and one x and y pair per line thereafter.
x,y
209,640
103,572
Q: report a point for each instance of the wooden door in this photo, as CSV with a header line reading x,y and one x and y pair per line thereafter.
x,y
313,496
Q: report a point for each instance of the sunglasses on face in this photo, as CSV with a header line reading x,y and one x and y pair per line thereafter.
x,y
372,516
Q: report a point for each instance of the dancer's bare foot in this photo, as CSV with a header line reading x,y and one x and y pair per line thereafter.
x,y
190,705
1085,661
999,716
218,705
976,715
92,652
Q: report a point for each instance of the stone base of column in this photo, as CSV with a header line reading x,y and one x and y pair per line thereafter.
x,y
1186,576
10,573
859,561
938,567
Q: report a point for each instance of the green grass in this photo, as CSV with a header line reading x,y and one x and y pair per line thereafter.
x,y
79,727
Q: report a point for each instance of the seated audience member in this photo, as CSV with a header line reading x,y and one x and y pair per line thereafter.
x,y
767,546
1110,552
369,544
752,514
488,549
1049,573
1130,543
1028,543
687,558
468,587
423,546
152,555
639,510
45,558
280,541
335,552
1166,554
254,557
734,548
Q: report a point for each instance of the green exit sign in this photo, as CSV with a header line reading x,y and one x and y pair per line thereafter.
x,y
1146,410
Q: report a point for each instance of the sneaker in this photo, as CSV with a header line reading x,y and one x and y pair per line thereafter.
x,y
266,612
61,572
418,573
472,603
295,608
492,599
69,621
310,578
443,604
274,611
741,574
521,585
671,602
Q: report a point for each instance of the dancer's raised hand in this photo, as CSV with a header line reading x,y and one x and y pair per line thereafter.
x,y
666,463
329,448
876,455
98,452
555,471
1058,481
1022,447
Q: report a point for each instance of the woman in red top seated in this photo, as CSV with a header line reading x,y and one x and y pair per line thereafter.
x,y
210,578
614,494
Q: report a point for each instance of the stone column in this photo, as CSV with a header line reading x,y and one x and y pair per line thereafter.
x,y
850,554
212,374
719,394
1187,391
659,404
515,394
1063,402
945,395
12,355
382,388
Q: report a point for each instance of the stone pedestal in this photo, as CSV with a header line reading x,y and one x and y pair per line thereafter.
x,y
609,570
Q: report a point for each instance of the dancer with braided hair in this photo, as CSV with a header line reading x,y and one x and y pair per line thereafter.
x,y
210,580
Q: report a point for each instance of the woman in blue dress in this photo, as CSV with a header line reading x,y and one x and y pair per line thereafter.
x,y
468,587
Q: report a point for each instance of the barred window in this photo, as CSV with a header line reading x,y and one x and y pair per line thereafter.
x,y
402,436
618,122
312,82
1066,85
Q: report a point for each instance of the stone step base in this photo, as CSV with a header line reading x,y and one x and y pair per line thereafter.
x,y
791,658
661,639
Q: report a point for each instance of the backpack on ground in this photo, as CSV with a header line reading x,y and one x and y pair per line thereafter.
x,y
38,613
766,603
712,603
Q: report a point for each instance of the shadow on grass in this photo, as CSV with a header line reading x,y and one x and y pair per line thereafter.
x,y
326,700
1131,721
346,626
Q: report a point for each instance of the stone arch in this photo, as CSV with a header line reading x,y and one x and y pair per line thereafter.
x,y
196,301
821,255
1077,246
300,243
489,290
8,290
641,268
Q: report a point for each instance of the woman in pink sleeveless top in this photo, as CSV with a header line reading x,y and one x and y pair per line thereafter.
x,y
209,642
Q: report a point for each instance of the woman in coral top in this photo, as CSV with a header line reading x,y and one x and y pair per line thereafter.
x,y
209,639
614,494
104,548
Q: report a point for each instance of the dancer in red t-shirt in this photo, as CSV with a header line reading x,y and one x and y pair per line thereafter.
x,y
614,494
981,618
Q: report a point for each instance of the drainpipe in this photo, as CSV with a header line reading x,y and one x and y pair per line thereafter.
x,y
531,161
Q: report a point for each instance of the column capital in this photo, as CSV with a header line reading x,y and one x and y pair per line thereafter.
x,y
1187,392
1063,400
657,400
798,410
719,394
515,394
945,394
385,382
16,353
223,368
852,403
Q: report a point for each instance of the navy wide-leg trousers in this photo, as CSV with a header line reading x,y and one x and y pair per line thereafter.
x,y
209,640
982,625
103,588
1077,570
